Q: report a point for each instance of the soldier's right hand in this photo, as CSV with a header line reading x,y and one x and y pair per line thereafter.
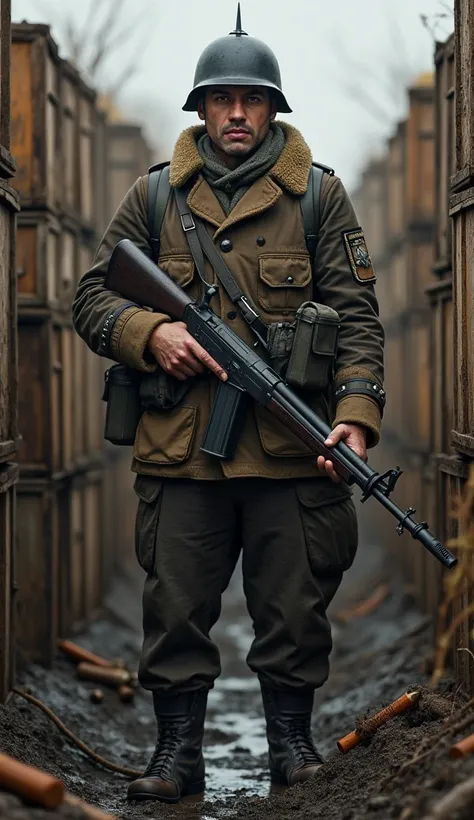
x,y
179,354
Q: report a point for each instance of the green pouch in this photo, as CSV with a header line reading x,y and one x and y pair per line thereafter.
x,y
121,392
314,347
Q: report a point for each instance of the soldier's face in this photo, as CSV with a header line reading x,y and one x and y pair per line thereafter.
x,y
237,118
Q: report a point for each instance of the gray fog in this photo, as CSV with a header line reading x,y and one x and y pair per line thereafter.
x,y
344,65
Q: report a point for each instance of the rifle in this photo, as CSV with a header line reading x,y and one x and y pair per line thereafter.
x,y
134,276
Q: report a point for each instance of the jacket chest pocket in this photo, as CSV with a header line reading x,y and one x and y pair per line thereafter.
x,y
180,268
284,282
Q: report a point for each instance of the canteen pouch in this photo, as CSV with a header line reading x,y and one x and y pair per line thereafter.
x,y
313,352
280,337
121,392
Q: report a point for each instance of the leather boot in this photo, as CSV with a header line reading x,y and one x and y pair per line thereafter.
x,y
176,768
292,756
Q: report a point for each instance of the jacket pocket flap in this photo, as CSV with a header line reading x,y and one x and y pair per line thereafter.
x,y
147,488
320,492
285,271
179,268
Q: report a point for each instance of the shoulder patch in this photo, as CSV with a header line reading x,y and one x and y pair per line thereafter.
x,y
358,255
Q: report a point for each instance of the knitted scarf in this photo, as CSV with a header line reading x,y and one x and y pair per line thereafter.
x,y
229,185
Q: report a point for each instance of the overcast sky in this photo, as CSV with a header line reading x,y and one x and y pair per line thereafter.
x,y
331,54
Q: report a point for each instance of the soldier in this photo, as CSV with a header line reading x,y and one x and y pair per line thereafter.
x,y
244,175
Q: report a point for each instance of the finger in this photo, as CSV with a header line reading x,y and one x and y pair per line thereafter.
x,y
321,464
332,472
335,437
185,370
208,361
194,364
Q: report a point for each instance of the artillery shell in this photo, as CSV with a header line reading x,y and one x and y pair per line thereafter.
x,y
463,747
97,696
79,654
407,701
126,694
30,783
111,676
90,811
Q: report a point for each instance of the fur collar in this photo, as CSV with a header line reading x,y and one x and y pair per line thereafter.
x,y
290,170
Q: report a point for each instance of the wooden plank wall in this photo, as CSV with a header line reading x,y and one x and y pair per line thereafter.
x,y
9,203
394,202
425,191
67,550
461,210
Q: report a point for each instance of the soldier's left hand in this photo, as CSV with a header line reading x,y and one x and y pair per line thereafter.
x,y
354,436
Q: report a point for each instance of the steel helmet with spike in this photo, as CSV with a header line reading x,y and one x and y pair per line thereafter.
x,y
237,60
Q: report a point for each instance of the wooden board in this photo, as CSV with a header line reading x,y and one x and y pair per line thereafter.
x,y
420,164
445,123
37,562
5,26
8,479
35,124
8,318
464,44
396,176
442,366
93,543
462,211
38,260
37,446
129,156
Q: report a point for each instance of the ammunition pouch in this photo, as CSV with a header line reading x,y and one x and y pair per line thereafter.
x,y
121,392
160,391
304,351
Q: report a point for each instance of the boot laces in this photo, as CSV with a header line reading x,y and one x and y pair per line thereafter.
x,y
169,740
301,742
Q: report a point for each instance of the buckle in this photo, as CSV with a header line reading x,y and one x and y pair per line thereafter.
x,y
187,222
248,307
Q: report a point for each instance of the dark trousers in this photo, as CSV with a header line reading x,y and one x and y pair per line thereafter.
x,y
296,537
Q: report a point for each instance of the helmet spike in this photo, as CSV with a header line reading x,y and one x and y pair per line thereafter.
x,y
238,28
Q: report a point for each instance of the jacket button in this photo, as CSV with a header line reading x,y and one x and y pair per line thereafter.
x,y
261,241
290,280
231,314
226,245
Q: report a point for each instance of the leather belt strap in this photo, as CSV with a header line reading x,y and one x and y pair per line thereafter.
x,y
200,243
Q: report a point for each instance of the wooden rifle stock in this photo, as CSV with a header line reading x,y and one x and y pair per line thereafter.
x,y
136,277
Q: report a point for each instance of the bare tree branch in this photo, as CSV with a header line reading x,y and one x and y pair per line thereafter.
x,y
103,34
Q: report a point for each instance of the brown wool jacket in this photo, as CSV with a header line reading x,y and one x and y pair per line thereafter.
x,y
275,273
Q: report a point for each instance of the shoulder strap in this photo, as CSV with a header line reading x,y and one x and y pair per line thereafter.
x,y
200,242
310,206
159,190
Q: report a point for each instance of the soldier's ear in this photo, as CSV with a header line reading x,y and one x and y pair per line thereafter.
x,y
273,108
201,110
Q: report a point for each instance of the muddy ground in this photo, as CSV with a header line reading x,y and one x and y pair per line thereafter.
x,y
375,659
